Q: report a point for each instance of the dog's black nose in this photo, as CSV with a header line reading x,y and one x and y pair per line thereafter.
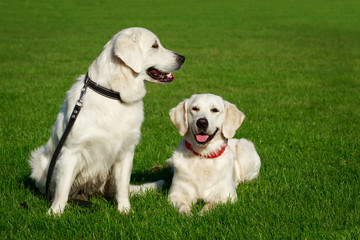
x,y
180,58
202,123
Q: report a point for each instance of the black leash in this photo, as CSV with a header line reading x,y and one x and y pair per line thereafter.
x,y
95,87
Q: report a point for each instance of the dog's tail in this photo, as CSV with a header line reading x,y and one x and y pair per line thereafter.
x,y
146,187
39,163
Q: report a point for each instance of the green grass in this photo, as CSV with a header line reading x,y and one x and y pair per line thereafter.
x,y
293,68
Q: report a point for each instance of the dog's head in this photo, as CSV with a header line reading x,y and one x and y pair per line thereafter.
x,y
142,51
205,117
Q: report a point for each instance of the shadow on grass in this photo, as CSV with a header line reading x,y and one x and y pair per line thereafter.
x,y
156,173
30,185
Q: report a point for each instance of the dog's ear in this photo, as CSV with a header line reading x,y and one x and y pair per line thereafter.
x,y
233,119
127,48
178,116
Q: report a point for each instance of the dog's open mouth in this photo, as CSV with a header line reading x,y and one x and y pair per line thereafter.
x,y
160,76
203,138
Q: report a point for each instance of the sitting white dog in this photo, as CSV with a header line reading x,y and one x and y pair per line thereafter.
x,y
97,157
208,165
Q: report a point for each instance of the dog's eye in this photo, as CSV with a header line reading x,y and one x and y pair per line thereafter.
x,y
195,109
214,110
155,45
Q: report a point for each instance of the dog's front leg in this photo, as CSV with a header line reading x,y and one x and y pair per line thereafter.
x,y
122,173
182,202
66,171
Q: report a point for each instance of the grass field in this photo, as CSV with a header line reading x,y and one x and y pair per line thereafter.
x,y
293,68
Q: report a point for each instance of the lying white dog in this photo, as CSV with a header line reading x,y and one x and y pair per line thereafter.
x,y
98,154
208,164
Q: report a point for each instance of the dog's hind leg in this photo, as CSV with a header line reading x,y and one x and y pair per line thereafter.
x,y
248,163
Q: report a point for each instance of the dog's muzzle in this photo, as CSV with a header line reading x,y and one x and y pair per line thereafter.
x,y
202,137
162,77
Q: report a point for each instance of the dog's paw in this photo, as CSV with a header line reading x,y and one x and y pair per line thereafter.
x,y
206,208
124,206
55,212
124,210
184,209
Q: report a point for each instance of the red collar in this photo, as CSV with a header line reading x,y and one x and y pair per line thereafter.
x,y
211,155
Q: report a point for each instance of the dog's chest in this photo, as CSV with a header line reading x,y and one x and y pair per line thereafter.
x,y
110,119
204,169
104,135
204,172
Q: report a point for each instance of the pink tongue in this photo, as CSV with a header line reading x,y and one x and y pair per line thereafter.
x,y
202,138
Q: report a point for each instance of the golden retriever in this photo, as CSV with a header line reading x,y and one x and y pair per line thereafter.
x,y
208,164
98,154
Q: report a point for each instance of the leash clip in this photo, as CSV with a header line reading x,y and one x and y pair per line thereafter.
x,y
79,101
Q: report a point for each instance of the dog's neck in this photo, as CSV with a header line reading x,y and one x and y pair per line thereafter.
x,y
214,154
101,90
110,72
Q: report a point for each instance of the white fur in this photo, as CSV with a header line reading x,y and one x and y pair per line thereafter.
x,y
211,180
98,154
